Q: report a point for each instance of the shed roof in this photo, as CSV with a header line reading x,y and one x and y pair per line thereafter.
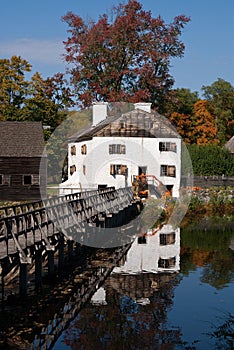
x,y
21,139
136,123
230,145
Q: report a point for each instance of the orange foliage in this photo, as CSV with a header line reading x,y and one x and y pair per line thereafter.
x,y
200,258
204,127
182,122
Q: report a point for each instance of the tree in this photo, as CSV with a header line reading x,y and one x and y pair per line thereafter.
x,y
13,87
182,123
204,129
211,160
123,57
48,100
32,100
220,96
184,101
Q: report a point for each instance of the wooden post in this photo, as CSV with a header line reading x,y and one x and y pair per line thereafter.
x,y
3,285
23,279
38,268
50,262
70,248
61,254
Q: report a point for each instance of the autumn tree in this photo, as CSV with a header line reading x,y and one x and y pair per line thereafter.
x,y
220,96
204,128
182,123
179,110
124,56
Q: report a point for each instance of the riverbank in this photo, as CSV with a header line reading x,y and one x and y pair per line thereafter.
x,y
210,202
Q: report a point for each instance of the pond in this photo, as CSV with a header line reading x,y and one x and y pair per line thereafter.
x,y
173,290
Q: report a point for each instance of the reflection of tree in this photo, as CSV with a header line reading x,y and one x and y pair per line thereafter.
x,y
219,273
224,334
124,323
206,244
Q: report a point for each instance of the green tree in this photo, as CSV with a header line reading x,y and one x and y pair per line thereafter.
x,y
211,160
13,87
35,99
48,100
181,101
220,96
123,57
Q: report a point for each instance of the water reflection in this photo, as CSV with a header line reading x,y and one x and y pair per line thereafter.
x,y
172,290
155,251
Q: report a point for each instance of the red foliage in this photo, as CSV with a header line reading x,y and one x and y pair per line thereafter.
x,y
124,56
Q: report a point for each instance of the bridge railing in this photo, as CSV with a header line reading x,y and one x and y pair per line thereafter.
x,y
27,225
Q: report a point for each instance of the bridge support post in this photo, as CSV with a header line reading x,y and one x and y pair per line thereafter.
x,y
3,284
61,254
70,248
50,262
38,268
23,279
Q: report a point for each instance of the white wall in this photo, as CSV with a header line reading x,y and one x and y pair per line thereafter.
x,y
139,152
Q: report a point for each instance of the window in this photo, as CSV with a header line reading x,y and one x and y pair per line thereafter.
x,y
141,240
84,169
167,263
35,179
167,146
83,149
72,169
31,179
168,170
73,150
118,169
5,180
27,179
117,149
167,238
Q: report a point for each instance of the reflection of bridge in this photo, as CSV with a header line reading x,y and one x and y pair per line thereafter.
x,y
33,232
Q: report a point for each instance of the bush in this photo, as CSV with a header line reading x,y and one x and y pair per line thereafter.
x,y
211,160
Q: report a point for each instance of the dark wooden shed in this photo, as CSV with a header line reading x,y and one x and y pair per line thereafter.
x,y
22,161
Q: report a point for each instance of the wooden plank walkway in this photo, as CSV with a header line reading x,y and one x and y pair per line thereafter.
x,y
23,227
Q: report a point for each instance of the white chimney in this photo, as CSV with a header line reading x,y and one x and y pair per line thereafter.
x,y
145,106
99,112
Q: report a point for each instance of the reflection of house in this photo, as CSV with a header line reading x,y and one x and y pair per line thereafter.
x,y
116,148
151,261
21,149
159,252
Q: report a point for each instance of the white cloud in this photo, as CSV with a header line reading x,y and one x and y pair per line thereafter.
x,y
41,51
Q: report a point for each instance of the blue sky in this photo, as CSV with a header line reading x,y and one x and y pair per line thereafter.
x,y
34,30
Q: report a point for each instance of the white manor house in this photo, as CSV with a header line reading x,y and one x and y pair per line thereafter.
x,y
115,149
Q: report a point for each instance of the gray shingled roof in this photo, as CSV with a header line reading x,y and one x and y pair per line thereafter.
x,y
230,145
136,123
21,139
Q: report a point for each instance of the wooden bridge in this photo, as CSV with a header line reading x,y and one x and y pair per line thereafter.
x,y
33,233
